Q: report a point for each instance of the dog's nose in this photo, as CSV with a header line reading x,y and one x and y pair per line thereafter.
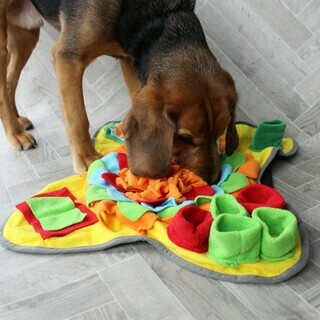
x,y
143,172
213,179
211,176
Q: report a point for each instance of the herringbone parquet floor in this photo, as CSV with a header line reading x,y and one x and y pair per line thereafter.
x,y
272,49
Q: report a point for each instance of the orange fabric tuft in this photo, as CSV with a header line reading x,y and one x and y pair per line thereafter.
x,y
177,185
141,225
107,208
118,130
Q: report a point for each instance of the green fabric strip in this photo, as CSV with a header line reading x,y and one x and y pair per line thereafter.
x,y
202,200
95,193
235,160
168,212
132,210
94,167
55,213
226,203
235,182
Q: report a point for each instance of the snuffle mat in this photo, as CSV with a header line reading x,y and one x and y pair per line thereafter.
x,y
238,230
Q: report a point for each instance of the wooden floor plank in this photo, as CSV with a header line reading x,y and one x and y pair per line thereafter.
x,y
266,301
55,272
310,52
296,6
310,16
141,293
261,36
109,311
283,22
62,302
308,88
251,63
203,301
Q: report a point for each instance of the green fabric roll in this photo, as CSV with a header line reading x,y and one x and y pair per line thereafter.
x,y
235,160
236,181
226,203
55,213
234,239
202,199
268,134
279,232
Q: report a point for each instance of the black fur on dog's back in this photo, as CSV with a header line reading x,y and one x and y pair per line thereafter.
x,y
143,28
49,9
149,28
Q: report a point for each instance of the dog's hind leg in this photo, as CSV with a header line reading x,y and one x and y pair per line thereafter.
x,y
18,138
21,43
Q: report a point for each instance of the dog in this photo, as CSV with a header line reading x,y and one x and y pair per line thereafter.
x,y
182,100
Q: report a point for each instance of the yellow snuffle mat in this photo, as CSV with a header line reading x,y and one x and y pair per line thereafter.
x,y
111,228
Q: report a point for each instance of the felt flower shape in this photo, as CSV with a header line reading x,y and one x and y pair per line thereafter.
x,y
259,195
190,229
234,239
110,179
279,232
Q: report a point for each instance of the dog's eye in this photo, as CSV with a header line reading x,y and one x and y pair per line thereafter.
x,y
186,139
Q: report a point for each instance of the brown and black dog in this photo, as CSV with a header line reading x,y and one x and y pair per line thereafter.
x,y
182,100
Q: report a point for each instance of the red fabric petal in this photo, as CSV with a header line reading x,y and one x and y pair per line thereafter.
x,y
259,195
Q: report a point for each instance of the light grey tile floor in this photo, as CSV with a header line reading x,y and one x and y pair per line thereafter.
x,y
272,50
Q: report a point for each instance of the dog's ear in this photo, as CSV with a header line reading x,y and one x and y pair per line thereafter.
x,y
149,133
232,138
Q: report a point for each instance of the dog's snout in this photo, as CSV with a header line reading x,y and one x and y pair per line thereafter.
x,y
152,173
213,177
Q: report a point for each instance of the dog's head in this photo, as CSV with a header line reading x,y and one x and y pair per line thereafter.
x,y
180,117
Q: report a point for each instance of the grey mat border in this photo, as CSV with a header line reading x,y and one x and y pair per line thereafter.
x,y
178,260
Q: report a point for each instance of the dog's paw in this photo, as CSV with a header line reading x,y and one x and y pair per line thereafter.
x,y
22,141
25,123
81,164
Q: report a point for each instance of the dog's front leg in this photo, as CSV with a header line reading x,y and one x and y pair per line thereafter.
x,y
18,138
69,69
